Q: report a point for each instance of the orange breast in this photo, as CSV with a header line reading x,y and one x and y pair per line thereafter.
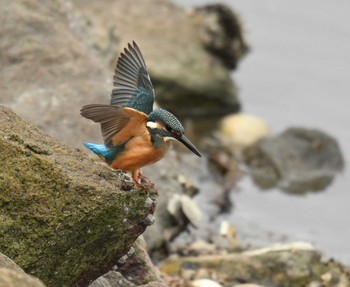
x,y
139,152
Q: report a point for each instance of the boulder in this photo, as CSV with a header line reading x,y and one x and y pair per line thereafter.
x,y
69,49
189,74
221,32
51,74
296,161
71,218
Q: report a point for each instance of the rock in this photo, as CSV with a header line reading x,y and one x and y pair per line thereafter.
x,y
296,161
154,284
138,267
198,248
182,206
296,264
115,279
69,50
170,218
221,32
248,285
112,279
240,131
188,79
205,283
71,218
14,278
6,262
228,232
52,74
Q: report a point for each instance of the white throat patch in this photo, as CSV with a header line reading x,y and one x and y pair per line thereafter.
x,y
152,125
169,138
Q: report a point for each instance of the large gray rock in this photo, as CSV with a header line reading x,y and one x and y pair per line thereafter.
x,y
68,51
296,160
221,32
187,71
50,74
64,218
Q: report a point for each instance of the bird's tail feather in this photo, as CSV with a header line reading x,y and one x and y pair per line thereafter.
x,y
100,150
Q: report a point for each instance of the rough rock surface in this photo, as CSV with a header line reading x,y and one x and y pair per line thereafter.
x,y
72,218
133,269
137,266
296,160
115,279
6,262
13,278
112,279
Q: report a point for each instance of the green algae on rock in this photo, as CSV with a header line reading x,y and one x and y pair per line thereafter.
x,y
63,218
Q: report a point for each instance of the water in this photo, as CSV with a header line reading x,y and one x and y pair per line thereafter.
x,y
297,74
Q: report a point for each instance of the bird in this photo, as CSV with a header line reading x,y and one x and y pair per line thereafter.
x,y
134,134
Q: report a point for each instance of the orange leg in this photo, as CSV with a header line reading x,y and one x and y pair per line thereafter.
x,y
139,179
136,175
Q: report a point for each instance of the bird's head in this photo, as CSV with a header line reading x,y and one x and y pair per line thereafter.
x,y
166,125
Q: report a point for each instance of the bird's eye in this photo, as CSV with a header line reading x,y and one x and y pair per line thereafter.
x,y
172,131
169,129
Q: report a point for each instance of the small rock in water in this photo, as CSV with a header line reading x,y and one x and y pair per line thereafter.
x,y
297,160
227,231
205,283
180,205
242,130
191,210
248,285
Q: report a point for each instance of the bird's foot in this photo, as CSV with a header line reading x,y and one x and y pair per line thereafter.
x,y
136,182
143,182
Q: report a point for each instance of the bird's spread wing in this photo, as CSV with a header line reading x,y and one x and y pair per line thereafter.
x,y
133,86
118,124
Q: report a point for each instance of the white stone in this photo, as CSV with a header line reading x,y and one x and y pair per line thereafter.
x,y
242,130
205,283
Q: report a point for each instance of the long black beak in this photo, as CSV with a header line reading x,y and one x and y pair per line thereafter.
x,y
188,144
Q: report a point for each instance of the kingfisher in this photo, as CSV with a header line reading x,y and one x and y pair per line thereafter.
x,y
134,134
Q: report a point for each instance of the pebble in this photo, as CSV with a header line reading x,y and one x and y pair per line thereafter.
x,y
243,130
205,283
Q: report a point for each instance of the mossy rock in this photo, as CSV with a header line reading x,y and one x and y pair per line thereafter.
x,y
63,217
